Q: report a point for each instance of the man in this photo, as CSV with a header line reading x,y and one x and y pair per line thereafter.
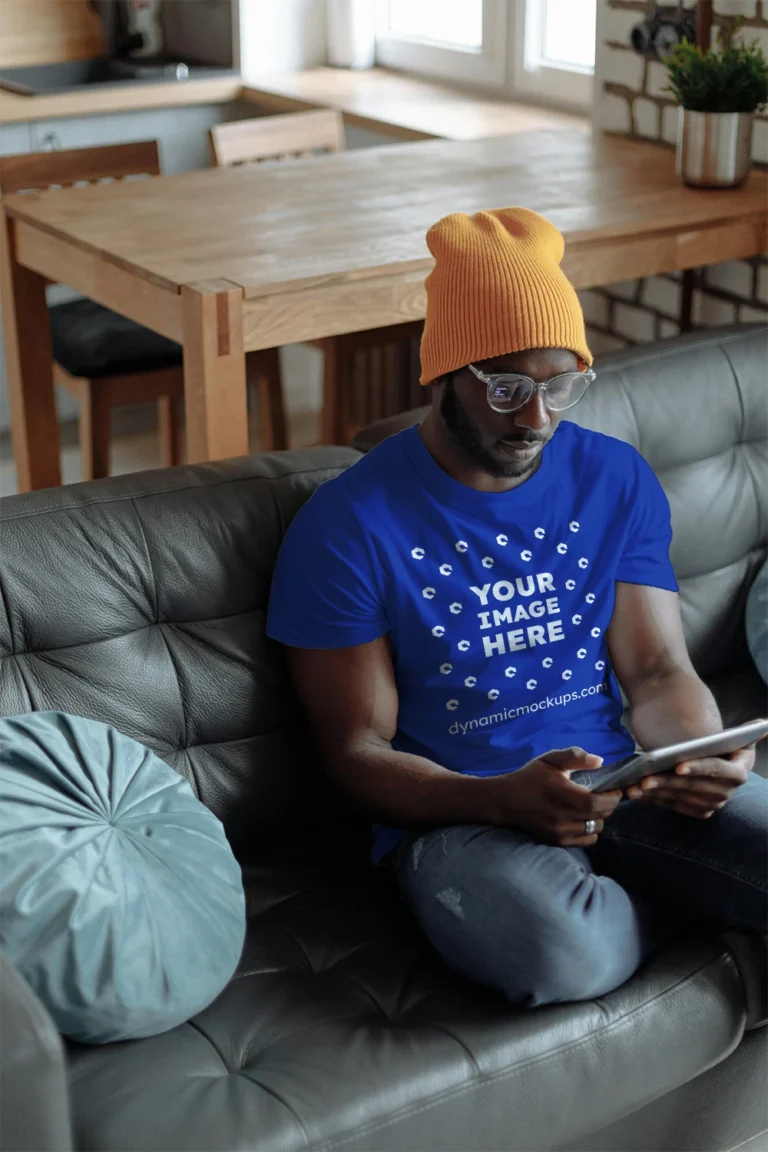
x,y
458,608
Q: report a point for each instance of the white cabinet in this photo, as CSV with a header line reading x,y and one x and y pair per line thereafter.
x,y
15,138
182,133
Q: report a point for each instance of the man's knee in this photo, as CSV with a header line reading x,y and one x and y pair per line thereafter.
x,y
575,965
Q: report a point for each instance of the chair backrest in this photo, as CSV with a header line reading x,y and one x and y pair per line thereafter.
x,y
36,171
277,137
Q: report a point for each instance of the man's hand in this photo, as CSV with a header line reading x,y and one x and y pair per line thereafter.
x,y
697,788
541,799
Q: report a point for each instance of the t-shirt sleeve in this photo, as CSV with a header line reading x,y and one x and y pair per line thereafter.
x,y
324,590
645,559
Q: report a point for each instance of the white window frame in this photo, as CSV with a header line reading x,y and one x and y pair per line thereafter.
x,y
484,67
572,85
513,31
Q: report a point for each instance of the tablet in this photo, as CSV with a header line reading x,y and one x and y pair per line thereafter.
x,y
642,764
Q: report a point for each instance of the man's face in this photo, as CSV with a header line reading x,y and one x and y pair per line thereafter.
x,y
504,443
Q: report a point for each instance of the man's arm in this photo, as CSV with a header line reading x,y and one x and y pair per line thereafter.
x,y
351,699
668,701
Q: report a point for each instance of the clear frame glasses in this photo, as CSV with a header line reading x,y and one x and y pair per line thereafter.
x,y
508,391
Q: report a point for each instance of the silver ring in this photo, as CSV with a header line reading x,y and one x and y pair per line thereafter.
x,y
590,827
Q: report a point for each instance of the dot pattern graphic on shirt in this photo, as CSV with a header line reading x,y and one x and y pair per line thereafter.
x,y
503,591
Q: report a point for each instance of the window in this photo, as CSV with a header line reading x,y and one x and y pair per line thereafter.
x,y
461,22
540,49
554,49
461,40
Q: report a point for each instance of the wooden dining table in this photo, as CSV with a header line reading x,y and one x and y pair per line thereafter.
x,y
226,261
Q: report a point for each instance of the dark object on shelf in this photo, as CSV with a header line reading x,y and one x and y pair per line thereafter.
x,y
666,26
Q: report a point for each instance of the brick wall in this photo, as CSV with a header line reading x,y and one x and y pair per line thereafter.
x,y
629,101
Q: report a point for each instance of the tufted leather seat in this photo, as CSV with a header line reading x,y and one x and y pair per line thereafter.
x,y
141,601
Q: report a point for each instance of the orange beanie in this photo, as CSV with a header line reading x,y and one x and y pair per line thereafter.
x,y
497,287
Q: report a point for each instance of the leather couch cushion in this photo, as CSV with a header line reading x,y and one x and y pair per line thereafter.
x,y
121,902
367,438
91,341
757,621
344,1030
140,601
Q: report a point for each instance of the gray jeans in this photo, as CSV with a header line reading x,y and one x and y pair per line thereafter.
x,y
544,924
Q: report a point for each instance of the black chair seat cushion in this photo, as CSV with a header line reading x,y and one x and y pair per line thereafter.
x,y
90,341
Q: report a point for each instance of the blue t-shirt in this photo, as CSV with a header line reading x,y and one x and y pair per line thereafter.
x,y
496,604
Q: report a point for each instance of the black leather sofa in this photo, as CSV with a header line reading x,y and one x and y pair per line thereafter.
x,y
141,601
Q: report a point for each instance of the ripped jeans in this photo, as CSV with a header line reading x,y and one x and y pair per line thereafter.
x,y
544,924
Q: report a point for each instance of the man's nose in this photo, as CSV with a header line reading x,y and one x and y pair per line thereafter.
x,y
534,414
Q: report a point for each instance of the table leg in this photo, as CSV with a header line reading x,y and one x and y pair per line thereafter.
x,y
686,305
337,389
29,360
215,396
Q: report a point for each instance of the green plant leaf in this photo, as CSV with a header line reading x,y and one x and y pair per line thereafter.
x,y
733,79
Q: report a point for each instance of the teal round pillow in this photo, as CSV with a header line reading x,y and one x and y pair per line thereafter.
x,y
120,899
756,621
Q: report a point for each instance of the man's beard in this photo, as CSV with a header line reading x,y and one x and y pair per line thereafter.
x,y
467,435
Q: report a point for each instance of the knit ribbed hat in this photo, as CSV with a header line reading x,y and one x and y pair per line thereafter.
x,y
497,287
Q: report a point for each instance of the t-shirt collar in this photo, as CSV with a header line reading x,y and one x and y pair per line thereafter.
x,y
446,490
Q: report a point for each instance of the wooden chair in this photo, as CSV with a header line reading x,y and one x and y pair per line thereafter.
x,y
105,360
271,138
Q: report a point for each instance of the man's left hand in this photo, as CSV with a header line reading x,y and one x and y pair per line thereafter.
x,y
697,788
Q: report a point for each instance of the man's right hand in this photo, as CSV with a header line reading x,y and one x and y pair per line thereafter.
x,y
541,799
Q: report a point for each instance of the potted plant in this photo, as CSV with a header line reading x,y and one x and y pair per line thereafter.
x,y
718,93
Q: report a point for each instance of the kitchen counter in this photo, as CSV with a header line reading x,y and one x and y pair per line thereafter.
x,y
408,107
92,100
401,106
